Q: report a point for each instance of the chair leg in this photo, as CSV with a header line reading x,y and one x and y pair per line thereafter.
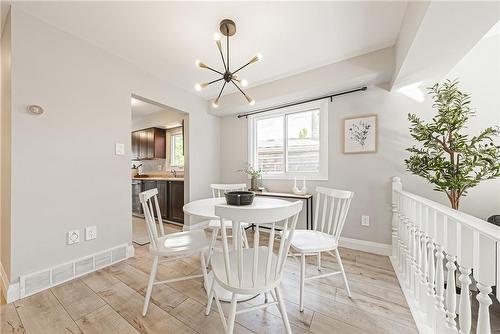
x,y
302,281
282,309
204,270
232,315
220,311
215,233
245,240
319,261
343,272
210,298
152,277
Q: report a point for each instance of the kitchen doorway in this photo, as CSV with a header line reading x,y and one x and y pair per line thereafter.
x,y
158,159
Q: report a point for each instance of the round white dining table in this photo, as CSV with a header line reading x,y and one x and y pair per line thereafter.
x,y
205,208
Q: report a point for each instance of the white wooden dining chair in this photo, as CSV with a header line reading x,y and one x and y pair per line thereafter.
x,y
218,190
171,246
331,210
256,270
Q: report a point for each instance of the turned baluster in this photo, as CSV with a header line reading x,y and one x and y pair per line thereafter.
x,y
423,258
485,274
451,298
409,256
431,293
417,252
452,235
396,186
465,262
439,297
465,315
402,238
431,264
483,316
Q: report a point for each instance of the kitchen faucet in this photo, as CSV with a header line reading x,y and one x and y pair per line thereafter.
x,y
173,171
137,168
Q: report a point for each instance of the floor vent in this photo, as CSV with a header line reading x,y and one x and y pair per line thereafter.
x,y
103,259
47,278
62,273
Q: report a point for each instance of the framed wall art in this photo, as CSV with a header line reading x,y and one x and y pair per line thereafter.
x,y
360,134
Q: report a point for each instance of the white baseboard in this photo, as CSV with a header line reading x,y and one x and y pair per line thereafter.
x,y
130,251
366,246
10,291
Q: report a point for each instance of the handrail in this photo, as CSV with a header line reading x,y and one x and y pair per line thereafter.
x,y
487,229
436,249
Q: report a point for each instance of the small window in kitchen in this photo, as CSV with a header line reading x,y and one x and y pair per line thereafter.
x,y
290,142
176,150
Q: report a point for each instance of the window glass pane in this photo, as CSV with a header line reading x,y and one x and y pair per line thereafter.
x,y
303,141
270,155
177,147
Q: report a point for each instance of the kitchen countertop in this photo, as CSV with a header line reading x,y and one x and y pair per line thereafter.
x,y
159,178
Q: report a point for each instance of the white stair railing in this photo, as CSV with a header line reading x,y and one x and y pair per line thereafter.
x,y
432,245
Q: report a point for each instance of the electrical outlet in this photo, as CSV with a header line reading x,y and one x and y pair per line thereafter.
x,y
365,220
90,232
73,237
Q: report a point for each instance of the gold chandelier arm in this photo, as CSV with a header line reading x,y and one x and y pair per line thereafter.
x,y
213,81
203,65
251,61
248,98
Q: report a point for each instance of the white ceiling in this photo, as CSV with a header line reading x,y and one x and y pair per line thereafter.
x,y
166,38
141,109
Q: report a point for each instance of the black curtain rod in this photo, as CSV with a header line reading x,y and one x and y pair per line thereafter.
x,y
291,104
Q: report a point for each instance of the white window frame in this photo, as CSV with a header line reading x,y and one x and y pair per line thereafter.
x,y
322,175
172,148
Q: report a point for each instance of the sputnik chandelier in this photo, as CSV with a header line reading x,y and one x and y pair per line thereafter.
x,y
227,28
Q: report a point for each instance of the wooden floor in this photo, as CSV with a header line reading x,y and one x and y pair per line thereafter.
x,y
110,301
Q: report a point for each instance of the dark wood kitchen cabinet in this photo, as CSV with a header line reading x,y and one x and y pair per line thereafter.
x,y
149,143
175,195
136,203
162,198
162,194
170,198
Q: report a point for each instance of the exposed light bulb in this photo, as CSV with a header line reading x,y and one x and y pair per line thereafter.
x,y
256,58
250,100
216,36
215,104
244,82
198,87
200,64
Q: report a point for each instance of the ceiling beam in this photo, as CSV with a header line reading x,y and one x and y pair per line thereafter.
x,y
435,36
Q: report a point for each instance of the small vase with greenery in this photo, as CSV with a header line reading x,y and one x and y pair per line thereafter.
x,y
447,157
254,174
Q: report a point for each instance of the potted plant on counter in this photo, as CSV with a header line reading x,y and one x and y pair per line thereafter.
x,y
254,174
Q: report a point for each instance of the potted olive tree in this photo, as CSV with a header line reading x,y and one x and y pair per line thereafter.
x,y
446,156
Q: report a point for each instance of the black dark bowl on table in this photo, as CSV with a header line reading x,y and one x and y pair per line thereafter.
x,y
239,197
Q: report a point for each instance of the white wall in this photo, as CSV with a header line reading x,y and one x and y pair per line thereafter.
x,y
5,149
369,175
65,174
